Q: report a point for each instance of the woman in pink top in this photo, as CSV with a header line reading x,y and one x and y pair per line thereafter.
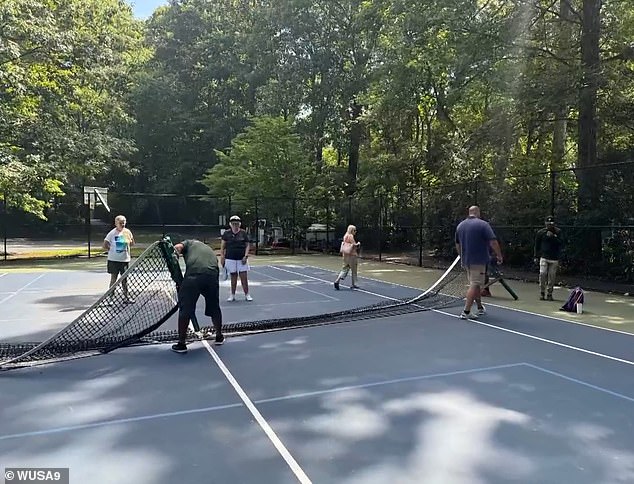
x,y
349,249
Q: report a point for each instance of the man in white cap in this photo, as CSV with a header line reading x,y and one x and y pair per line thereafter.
x,y
234,256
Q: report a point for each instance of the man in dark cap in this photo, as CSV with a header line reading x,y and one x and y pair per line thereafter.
x,y
548,245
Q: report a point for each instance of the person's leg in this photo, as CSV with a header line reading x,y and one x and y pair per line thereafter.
x,y
475,275
543,278
211,293
232,267
343,272
354,264
552,274
187,297
124,283
244,281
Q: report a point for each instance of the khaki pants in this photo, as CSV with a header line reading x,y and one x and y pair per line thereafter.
x,y
547,274
350,263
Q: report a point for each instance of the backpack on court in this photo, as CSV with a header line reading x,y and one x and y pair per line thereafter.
x,y
575,298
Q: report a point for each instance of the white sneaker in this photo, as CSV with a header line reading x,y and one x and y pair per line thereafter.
x,y
231,298
471,315
481,311
248,297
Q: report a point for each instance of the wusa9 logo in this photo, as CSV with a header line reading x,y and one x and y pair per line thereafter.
x,y
36,475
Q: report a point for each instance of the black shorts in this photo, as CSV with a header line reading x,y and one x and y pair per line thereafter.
x,y
197,285
116,267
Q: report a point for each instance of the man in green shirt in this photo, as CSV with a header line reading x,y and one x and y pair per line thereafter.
x,y
201,278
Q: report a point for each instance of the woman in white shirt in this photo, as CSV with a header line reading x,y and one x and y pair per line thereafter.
x,y
118,243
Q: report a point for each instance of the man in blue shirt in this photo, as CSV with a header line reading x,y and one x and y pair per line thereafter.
x,y
474,236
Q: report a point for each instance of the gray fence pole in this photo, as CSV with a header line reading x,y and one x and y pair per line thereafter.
x,y
5,220
420,230
257,227
380,225
553,191
293,234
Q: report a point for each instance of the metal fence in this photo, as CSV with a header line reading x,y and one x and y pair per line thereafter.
x,y
415,225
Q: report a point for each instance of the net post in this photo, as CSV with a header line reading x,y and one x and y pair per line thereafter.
x,y
171,259
420,228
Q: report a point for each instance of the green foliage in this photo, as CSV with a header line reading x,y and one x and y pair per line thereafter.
x,y
265,160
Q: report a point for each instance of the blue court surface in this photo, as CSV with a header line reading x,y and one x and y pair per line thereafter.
x,y
420,398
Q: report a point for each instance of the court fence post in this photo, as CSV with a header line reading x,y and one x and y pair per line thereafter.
x,y
5,223
257,227
420,228
293,234
553,191
88,227
327,225
380,225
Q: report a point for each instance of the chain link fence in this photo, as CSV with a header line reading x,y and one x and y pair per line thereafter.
x,y
415,226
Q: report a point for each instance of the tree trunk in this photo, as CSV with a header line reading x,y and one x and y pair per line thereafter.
x,y
589,180
560,127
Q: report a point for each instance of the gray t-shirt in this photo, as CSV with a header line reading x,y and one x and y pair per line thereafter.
x,y
474,236
199,258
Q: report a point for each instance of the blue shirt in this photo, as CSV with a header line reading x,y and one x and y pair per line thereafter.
x,y
474,236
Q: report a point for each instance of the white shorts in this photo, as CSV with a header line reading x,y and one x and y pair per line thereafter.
x,y
234,266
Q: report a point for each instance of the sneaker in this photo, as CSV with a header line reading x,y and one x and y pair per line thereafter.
x,y
220,339
248,297
481,311
468,315
337,285
542,297
549,297
231,298
179,348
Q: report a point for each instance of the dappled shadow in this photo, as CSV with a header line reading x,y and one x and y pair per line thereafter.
x,y
75,302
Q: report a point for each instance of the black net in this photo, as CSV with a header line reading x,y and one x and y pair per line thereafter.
x,y
153,279
141,300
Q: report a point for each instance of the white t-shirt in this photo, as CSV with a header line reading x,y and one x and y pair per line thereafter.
x,y
119,245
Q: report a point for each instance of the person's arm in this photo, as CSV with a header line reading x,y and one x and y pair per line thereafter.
x,y
131,241
538,246
495,245
457,242
179,248
246,250
223,249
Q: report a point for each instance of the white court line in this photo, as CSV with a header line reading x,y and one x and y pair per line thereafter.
x,y
22,288
2,274
389,382
330,282
265,400
580,382
299,287
105,423
543,340
270,433
569,321
519,333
